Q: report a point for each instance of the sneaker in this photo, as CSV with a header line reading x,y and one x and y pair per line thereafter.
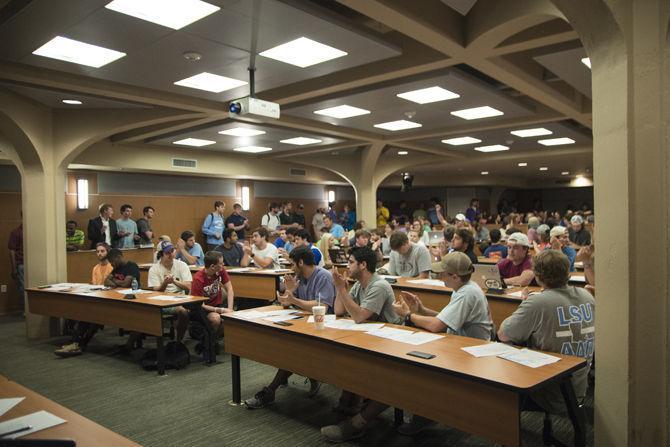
x,y
346,410
262,399
414,426
68,350
344,431
314,387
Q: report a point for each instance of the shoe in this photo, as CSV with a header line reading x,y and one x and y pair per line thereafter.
x,y
344,431
68,350
416,425
347,410
262,399
314,387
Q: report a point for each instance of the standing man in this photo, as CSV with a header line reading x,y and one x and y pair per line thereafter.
x,y
237,221
286,216
214,224
189,250
263,253
299,216
15,246
74,238
407,258
270,220
317,223
127,228
383,214
232,251
144,226
103,227
210,282
333,228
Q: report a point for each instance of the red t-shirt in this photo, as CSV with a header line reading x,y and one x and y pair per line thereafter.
x,y
509,270
202,285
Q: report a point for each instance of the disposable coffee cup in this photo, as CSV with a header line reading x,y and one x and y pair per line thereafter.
x,y
319,316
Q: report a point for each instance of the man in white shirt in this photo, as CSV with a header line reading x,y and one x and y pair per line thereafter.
x,y
173,276
264,254
270,220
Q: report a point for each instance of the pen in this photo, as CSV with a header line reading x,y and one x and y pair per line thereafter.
x,y
18,430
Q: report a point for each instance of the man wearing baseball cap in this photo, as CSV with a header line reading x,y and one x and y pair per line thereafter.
x,y
559,241
517,268
579,236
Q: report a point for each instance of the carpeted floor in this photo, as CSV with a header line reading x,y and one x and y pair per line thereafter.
x,y
190,407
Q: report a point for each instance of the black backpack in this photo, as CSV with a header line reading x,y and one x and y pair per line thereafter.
x,y
175,353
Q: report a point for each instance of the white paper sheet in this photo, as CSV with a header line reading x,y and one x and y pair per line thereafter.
x,y
38,421
350,325
530,358
167,297
242,269
389,276
427,282
579,265
327,318
391,333
489,349
578,278
517,294
9,403
133,291
250,314
276,318
419,338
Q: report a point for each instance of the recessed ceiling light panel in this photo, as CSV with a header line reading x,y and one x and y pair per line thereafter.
x,y
522,165
492,148
398,125
461,141
196,142
525,133
556,141
403,152
485,172
301,141
477,113
565,173
252,149
70,50
303,52
210,82
174,14
343,111
241,132
74,102
544,168
428,95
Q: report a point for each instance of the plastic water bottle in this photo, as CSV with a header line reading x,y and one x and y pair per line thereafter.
x,y
135,285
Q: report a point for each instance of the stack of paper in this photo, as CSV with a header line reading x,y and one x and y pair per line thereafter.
x,y
427,282
530,358
490,349
250,314
350,325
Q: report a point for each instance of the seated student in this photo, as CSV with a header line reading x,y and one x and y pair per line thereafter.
x,y
74,238
210,282
517,268
304,239
261,251
579,236
559,241
189,250
333,228
326,243
496,249
370,298
162,240
586,255
363,238
289,241
559,319
172,275
85,331
408,259
313,284
543,233
232,251
464,242
281,238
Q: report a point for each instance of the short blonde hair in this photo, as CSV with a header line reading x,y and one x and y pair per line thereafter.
x,y
552,268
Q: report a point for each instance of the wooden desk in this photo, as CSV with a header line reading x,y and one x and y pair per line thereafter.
x,y
258,284
80,263
482,396
77,428
109,308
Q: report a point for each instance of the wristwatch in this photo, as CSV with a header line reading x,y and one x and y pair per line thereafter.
x,y
408,319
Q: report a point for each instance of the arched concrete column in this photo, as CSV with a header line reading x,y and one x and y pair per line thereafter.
x,y
631,95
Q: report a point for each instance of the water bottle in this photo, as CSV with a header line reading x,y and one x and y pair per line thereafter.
x,y
135,285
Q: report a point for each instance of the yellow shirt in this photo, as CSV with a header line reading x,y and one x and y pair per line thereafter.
x,y
100,272
382,216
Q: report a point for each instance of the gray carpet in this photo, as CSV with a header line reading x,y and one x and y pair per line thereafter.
x,y
190,407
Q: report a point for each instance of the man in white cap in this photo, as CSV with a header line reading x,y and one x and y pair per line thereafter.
x,y
579,236
559,241
517,268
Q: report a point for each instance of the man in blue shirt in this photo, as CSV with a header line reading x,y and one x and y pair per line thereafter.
x,y
495,246
310,286
561,241
213,226
189,251
335,229
303,238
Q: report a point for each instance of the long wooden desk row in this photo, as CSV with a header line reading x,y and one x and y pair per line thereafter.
x,y
77,428
80,263
109,307
483,396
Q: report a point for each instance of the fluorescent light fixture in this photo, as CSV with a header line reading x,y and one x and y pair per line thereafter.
x,y
580,180
331,196
301,141
74,102
522,165
343,111
403,152
210,82
82,194
245,198
485,172
398,125
477,113
241,132
197,142
76,52
252,149
492,148
525,133
303,52
556,141
174,14
586,61
565,173
461,141
544,168
428,95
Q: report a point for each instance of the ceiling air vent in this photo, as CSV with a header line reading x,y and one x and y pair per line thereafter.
x,y
297,172
184,163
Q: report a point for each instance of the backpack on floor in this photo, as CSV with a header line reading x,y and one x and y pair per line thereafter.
x,y
176,357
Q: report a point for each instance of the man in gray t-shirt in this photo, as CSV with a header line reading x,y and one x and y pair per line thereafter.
x,y
407,258
559,319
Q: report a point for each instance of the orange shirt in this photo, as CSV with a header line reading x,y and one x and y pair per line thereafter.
x,y
100,272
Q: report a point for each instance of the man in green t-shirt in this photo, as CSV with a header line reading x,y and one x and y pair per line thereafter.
x,y
74,238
